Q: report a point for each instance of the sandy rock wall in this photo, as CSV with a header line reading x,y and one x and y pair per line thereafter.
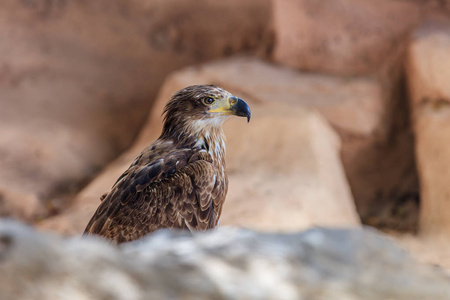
x,y
344,37
429,73
349,68
362,38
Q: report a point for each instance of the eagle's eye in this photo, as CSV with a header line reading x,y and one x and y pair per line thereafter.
x,y
208,100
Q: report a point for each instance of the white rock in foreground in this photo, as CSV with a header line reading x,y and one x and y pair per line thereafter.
x,y
224,264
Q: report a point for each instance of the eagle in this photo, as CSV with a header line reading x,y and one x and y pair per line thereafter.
x,y
179,181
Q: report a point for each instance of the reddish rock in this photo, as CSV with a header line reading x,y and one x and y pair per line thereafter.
x,y
428,78
344,37
20,205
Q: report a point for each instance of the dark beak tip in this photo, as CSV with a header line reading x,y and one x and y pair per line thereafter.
x,y
248,113
242,109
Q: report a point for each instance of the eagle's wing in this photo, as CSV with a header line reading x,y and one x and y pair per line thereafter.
x,y
181,189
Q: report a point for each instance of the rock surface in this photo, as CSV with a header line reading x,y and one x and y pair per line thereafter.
x,y
428,74
223,264
284,167
345,37
77,78
363,38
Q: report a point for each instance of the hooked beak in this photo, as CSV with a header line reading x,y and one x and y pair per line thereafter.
x,y
240,108
232,106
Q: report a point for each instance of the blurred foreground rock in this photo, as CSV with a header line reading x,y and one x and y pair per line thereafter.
x,y
77,78
319,264
284,166
428,76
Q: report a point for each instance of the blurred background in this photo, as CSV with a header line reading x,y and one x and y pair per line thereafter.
x,y
350,108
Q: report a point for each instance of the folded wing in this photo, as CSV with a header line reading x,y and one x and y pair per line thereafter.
x,y
179,189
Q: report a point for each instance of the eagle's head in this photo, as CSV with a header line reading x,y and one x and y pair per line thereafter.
x,y
201,107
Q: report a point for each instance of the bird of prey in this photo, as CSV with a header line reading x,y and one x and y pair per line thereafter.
x,y
179,181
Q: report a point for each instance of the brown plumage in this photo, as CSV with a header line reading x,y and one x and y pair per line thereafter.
x,y
179,181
